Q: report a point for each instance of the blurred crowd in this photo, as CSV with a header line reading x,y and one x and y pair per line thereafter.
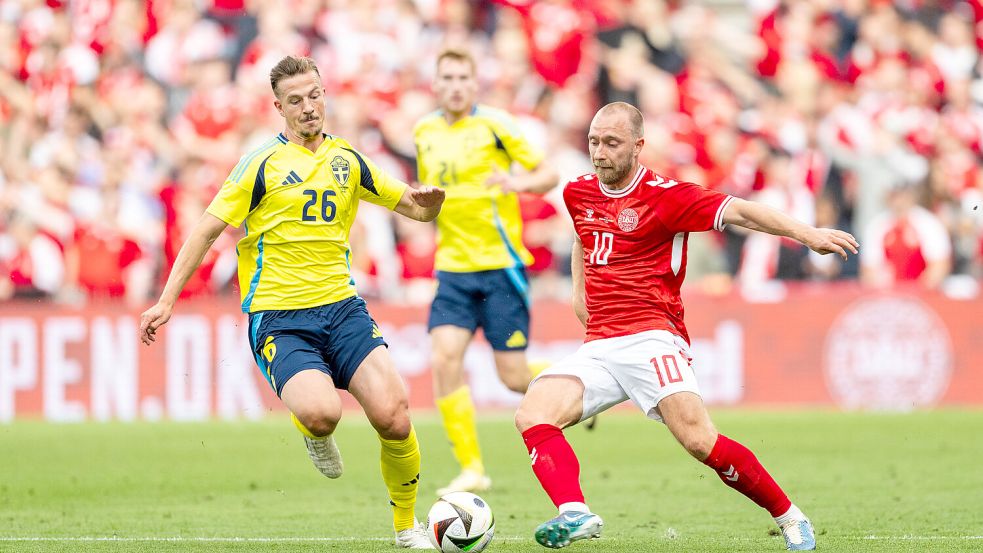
x,y
119,119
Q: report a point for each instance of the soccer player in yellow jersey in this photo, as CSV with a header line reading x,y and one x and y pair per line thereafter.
x,y
468,150
296,197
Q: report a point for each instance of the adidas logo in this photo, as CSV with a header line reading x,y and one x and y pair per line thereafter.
x,y
292,178
376,333
516,340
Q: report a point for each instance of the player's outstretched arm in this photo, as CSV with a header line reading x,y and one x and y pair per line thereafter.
x,y
206,231
756,216
422,204
577,273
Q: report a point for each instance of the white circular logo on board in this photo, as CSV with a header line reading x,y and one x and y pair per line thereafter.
x,y
628,219
888,353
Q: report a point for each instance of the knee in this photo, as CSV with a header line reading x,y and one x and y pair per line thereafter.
x,y
319,420
443,362
527,416
698,440
394,422
517,381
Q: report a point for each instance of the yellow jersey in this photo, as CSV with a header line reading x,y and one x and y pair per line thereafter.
x,y
297,207
479,228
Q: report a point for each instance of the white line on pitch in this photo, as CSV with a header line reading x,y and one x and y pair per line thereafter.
x,y
313,539
203,539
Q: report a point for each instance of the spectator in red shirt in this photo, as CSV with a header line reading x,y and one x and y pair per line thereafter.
x,y
906,243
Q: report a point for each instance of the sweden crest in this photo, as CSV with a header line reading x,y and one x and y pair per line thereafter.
x,y
340,169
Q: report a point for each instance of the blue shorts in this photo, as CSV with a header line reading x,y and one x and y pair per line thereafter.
x,y
333,338
497,301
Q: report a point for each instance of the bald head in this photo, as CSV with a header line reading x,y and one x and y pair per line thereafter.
x,y
617,112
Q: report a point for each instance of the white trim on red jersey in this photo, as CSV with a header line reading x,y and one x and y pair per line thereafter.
x,y
718,220
626,190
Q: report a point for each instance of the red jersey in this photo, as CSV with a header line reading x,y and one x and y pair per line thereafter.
x,y
635,248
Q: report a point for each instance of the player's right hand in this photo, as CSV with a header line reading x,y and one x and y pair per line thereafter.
x,y
152,319
831,240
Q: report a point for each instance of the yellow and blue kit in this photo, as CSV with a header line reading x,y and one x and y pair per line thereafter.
x,y
297,208
480,260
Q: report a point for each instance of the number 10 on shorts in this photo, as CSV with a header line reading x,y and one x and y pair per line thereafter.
x,y
667,369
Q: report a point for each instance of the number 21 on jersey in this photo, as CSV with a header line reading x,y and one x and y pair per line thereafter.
x,y
603,244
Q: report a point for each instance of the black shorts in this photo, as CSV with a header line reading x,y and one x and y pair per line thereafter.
x,y
497,301
333,338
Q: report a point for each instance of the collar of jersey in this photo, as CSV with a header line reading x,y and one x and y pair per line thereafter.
x,y
626,190
472,113
327,138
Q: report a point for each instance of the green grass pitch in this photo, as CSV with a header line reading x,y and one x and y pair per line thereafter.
x,y
908,482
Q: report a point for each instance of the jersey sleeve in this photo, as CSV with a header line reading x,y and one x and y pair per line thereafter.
x,y
236,198
507,132
688,207
375,185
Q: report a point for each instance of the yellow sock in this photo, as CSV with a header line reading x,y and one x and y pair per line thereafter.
x,y
536,367
401,473
457,411
303,429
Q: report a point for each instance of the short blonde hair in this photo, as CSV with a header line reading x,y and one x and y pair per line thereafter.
x,y
457,54
290,66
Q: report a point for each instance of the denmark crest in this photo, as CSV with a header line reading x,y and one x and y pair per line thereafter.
x,y
340,169
628,219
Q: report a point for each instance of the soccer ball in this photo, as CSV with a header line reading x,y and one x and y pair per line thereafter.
x,y
460,521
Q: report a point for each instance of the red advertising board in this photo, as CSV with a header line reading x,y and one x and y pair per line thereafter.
x,y
813,346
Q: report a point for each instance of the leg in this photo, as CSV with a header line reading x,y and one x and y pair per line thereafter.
x,y
380,392
286,350
449,343
735,465
513,369
453,320
315,409
553,403
311,397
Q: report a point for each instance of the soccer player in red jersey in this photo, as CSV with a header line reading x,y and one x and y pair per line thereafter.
x,y
629,260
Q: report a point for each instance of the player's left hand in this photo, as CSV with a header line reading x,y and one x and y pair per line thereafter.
x,y
428,196
831,240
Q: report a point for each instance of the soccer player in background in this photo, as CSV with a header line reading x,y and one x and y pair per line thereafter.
x,y
629,260
468,150
310,332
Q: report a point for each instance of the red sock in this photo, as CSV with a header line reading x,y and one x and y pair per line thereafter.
x,y
554,463
739,468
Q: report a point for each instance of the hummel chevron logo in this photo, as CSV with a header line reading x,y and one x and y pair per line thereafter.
x,y
534,455
661,182
292,178
731,474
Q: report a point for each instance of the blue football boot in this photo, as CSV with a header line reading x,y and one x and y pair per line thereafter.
x,y
568,527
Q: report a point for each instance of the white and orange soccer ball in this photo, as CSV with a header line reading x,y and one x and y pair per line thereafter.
x,y
459,522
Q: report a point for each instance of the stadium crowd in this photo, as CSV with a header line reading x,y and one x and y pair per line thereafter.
x,y
119,119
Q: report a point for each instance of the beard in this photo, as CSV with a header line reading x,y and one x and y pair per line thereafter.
x,y
614,174
308,131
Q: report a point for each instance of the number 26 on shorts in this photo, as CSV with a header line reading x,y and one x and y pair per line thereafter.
x,y
667,369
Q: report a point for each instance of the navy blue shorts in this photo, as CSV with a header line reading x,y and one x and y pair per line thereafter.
x,y
333,338
497,301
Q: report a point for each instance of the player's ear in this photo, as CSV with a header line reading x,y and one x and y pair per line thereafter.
x,y
639,143
279,107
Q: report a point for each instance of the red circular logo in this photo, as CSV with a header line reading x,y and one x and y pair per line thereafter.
x,y
628,219
890,353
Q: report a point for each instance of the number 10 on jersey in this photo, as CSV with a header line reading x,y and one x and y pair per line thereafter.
x,y
603,244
